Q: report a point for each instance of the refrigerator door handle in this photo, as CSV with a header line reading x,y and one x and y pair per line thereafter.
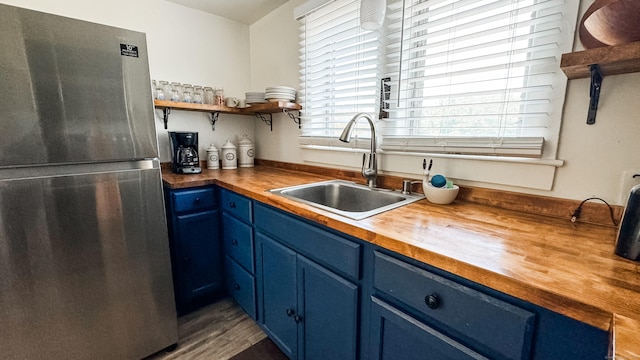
x,y
34,172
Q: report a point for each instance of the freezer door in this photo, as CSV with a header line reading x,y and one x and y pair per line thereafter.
x,y
72,91
84,266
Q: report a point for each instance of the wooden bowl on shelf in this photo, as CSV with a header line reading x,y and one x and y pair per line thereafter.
x,y
610,22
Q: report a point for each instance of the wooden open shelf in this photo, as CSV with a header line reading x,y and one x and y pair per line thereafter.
x,y
618,59
265,108
259,110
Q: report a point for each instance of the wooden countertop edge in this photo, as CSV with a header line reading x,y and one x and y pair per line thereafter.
x,y
624,338
623,329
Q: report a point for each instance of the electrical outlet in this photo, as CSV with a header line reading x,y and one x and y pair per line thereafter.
x,y
628,181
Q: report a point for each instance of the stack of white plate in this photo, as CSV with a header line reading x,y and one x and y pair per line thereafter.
x,y
255,97
280,93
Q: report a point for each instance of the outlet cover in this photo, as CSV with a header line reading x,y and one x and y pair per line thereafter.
x,y
627,182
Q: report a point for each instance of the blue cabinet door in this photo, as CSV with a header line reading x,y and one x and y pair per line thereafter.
x,y
279,295
198,258
329,310
396,335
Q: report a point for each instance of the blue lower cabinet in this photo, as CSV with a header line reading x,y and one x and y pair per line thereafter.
x,y
309,311
241,286
396,335
279,295
196,253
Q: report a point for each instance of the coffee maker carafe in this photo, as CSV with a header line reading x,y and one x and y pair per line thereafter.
x,y
184,152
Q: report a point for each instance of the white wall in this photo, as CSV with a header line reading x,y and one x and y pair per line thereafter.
x,y
184,45
274,61
594,155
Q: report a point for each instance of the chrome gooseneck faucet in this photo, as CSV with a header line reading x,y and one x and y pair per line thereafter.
x,y
371,171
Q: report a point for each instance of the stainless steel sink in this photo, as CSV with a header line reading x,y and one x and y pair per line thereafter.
x,y
347,198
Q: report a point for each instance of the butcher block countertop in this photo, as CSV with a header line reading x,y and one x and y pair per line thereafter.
x,y
565,267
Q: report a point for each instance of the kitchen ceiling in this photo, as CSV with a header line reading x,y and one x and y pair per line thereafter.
x,y
244,11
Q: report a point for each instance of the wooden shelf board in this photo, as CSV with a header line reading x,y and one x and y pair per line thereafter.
x,y
619,59
266,108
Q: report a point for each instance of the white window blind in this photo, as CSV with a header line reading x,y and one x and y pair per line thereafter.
x,y
340,70
479,77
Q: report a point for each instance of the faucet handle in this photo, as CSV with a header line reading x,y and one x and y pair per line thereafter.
x,y
406,185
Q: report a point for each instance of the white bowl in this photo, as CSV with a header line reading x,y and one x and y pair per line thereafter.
x,y
441,195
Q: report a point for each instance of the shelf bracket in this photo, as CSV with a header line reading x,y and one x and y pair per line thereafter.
x,y
165,116
268,121
594,92
214,119
295,118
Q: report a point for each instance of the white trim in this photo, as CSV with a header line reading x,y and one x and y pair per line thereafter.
x,y
307,7
518,172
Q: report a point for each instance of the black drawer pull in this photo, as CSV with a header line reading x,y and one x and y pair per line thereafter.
x,y
297,318
234,242
290,312
236,286
432,301
232,205
196,200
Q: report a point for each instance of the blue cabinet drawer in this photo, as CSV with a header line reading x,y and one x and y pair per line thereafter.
x,y
492,326
238,241
332,251
241,286
193,200
396,335
237,205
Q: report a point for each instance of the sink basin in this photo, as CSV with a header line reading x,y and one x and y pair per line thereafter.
x,y
347,198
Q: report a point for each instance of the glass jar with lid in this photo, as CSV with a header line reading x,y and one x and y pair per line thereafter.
x,y
166,89
175,96
208,95
197,95
218,98
178,88
159,93
187,88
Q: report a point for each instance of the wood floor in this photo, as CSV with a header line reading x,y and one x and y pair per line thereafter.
x,y
216,332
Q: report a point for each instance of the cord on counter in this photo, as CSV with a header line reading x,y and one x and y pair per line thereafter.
x,y
578,210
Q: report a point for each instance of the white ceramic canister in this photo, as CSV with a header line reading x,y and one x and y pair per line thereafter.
x,y
229,158
213,157
246,152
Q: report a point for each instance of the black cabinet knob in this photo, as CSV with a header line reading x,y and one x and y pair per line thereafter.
x,y
236,286
432,301
234,242
196,200
232,205
297,318
290,312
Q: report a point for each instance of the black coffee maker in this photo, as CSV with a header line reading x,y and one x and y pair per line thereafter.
x,y
184,152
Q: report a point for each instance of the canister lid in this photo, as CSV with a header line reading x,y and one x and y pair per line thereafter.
x,y
245,140
212,148
228,145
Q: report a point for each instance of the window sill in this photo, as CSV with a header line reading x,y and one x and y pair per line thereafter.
x,y
519,172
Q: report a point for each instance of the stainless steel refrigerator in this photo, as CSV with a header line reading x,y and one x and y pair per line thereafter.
x,y
84,257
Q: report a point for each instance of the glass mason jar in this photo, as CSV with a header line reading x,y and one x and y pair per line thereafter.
x,y
154,89
178,87
175,96
159,93
208,95
197,95
166,89
187,88
186,96
218,98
